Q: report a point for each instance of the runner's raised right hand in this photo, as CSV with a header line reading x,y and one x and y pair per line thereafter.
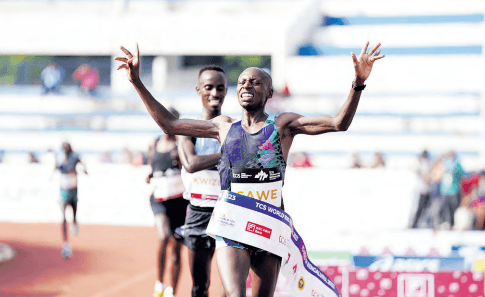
x,y
131,64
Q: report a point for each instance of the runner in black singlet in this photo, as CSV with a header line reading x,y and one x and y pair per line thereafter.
x,y
168,206
254,89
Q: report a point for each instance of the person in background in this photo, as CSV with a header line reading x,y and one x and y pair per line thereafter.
x,y
424,180
378,161
450,189
66,164
106,157
356,163
302,160
138,159
88,78
168,206
126,156
51,78
32,158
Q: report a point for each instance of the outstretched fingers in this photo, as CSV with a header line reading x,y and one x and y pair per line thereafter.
x,y
121,59
354,58
374,48
374,58
124,66
127,52
364,49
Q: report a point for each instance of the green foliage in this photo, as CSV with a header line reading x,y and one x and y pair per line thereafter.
x,y
15,68
236,64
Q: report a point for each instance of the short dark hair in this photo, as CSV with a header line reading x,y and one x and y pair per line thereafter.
x,y
212,67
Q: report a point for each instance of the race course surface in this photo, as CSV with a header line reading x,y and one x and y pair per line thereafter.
x,y
107,261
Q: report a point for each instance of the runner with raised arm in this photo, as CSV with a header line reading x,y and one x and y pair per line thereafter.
x,y
263,142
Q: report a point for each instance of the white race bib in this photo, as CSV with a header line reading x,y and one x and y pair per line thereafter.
x,y
202,188
167,186
264,184
68,181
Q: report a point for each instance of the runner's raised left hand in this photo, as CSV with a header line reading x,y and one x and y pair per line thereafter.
x,y
363,64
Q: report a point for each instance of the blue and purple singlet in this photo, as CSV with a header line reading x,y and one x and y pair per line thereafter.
x,y
253,164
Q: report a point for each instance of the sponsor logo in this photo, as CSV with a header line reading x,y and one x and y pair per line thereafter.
x,y
282,240
409,264
261,175
245,175
274,175
266,145
295,268
415,285
258,230
288,260
315,294
223,221
236,175
301,283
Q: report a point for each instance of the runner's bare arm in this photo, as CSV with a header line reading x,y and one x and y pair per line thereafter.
x,y
295,124
192,162
164,118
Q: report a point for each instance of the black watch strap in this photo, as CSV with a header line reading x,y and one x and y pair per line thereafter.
x,y
358,88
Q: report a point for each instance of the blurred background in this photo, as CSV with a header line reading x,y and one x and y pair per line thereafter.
x,y
378,191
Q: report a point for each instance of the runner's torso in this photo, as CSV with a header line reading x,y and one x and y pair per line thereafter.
x,y
202,188
166,175
253,164
67,168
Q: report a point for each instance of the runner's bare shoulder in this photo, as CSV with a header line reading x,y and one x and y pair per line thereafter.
x,y
222,120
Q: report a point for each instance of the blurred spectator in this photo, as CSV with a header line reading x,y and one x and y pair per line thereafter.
x,y
138,159
431,216
424,182
32,158
302,160
479,203
2,153
450,188
378,161
88,78
126,156
467,214
285,92
356,163
106,157
52,78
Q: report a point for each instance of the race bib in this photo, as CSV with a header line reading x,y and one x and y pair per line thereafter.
x,y
204,185
68,181
167,186
264,184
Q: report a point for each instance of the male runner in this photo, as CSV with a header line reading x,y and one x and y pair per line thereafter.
x,y
168,207
66,164
199,156
254,89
